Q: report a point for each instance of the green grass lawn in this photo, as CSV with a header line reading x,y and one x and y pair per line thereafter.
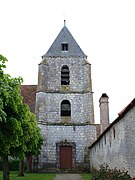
x,y
32,176
38,176
87,176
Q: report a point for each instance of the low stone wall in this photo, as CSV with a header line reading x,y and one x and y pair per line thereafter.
x,y
116,146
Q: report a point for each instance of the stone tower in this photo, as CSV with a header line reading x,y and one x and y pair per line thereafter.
x,y
104,111
64,104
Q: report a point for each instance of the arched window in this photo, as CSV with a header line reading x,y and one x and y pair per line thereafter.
x,y
65,108
65,78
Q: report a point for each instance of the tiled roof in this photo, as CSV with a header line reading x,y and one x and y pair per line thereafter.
x,y
127,108
29,95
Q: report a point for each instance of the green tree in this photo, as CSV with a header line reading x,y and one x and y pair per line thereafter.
x,y
17,123
31,140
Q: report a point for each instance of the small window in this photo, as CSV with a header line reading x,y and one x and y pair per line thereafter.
x,y
65,108
64,46
105,139
114,132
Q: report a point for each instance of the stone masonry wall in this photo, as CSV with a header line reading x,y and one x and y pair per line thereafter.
x,y
78,129
116,147
48,107
49,78
80,135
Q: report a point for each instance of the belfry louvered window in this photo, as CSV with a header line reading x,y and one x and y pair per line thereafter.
x,y
65,78
65,108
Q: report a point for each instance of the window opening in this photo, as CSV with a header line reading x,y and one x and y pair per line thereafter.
x,y
105,139
65,78
114,132
64,47
65,108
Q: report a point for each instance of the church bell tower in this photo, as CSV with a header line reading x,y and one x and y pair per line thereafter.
x,y
64,104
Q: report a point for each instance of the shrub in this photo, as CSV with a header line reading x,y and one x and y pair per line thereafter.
x,y
110,174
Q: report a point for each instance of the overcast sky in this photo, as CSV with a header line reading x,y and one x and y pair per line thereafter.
x,y
104,29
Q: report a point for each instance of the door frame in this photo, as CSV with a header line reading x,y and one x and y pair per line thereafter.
x,y
66,143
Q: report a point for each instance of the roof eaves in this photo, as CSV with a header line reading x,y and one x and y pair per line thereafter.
x,y
130,106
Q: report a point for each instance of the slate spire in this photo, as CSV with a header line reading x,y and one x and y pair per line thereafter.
x,y
64,45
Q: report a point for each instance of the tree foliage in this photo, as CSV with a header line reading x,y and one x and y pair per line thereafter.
x,y
19,133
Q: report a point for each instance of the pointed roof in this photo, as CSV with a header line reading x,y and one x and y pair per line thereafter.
x,y
64,37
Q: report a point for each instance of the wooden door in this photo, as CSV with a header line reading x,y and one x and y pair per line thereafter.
x,y
66,157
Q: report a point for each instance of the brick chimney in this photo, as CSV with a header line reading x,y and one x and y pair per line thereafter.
x,y
104,111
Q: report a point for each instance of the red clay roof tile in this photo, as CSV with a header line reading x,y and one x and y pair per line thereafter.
x,y
29,95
